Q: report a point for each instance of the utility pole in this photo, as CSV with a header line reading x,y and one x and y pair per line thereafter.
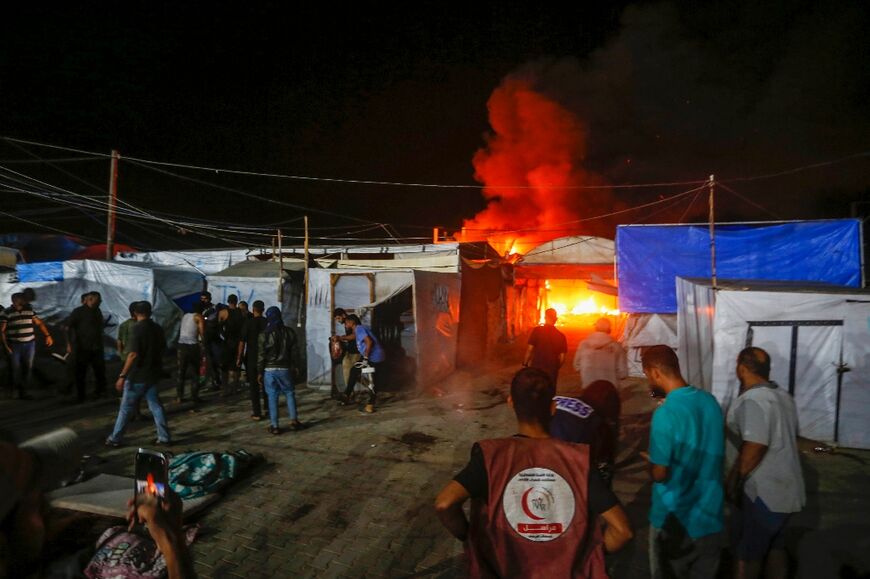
x,y
113,202
712,231
305,296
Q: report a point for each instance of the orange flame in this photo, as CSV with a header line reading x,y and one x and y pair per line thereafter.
x,y
150,487
571,301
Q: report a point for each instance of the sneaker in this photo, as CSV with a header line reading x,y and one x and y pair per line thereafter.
x,y
274,430
111,443
158,442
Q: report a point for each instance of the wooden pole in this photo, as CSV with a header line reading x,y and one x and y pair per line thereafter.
x,y
712,230
305,296
280,270
113,202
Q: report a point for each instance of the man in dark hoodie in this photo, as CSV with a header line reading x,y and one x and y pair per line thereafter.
x,y
275,358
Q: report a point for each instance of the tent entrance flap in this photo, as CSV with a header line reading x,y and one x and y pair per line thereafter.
x,y
798,351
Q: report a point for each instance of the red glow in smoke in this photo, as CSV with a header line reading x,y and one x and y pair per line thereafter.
x,y
538,146
150,487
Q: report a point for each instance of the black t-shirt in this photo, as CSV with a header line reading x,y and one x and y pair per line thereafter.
x,y
233,325
87,326
251,333
149,343
549,343
475,480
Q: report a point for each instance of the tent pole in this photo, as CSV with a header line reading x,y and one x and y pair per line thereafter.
x,y
305,311
113,202
712,231
280,270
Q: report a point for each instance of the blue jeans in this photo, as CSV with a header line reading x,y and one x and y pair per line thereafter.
x,y
276,381
130,402
22,362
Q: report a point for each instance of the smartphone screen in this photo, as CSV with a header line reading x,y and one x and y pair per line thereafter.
x,y
152,472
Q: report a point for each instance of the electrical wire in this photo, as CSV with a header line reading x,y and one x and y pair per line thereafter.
x,y
49,228
748,200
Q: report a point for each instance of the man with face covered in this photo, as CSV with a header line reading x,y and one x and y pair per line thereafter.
x,y
686,450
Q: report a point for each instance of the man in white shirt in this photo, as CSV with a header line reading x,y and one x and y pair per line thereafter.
x,y
765,482
600,357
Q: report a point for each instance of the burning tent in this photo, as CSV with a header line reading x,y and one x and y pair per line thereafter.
x,y
574,275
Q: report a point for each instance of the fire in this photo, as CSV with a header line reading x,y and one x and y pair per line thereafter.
x,y
150,487
569,300
530,169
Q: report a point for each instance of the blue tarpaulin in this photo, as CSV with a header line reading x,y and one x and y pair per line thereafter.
x,y
649,258
43,271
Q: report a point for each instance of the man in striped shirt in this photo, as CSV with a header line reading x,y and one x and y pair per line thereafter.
x,y
18,325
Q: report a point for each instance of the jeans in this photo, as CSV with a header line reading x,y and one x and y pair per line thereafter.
x,y
276,381
133,393
22,363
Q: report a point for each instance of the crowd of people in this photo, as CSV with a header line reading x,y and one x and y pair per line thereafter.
x,y
542,502
552,479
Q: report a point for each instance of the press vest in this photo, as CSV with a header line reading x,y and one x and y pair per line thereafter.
x,y
535,519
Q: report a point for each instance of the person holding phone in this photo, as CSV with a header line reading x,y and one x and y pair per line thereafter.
x,y
162,519
139,377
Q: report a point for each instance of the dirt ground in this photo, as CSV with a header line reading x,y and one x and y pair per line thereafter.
x,y
351,496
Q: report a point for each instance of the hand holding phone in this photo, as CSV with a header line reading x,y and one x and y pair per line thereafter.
x,y
152,473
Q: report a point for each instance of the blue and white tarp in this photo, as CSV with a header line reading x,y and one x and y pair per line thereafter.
x,y
649,258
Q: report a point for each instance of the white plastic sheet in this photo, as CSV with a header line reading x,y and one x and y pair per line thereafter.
x,y
644,330
808,332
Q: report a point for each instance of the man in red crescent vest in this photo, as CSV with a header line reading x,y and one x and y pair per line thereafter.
x,y
535,501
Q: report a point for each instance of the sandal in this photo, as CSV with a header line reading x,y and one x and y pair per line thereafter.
x,y
274,430
256,417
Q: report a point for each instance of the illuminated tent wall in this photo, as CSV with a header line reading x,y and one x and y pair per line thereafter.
x,y
59,286
571,264
253,280
414,313
412,296
649,258
817,335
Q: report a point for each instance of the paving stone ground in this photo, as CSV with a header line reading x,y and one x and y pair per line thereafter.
x,y
351,496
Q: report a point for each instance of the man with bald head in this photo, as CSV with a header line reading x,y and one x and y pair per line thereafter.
x,y
765,482
600,357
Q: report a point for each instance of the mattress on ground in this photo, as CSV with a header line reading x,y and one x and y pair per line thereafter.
x,y
107,495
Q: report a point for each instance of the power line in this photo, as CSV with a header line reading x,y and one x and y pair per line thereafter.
x,y
798,169
48,227
749,201
48,161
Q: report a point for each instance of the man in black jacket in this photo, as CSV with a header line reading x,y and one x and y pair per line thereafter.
x,y
85,343
275,356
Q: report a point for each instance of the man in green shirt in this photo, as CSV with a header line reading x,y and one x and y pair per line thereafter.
x,y
125,333
686,452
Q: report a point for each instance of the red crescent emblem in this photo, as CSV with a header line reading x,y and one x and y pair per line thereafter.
x,y
526,509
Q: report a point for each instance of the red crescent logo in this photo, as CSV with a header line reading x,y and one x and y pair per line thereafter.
x,y
526,509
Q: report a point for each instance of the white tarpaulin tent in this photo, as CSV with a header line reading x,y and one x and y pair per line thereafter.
x,y
428,337
206,261
258,280
59,286
818,337
645,330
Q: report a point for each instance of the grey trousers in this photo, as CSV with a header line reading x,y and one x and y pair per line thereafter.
x,y
676,555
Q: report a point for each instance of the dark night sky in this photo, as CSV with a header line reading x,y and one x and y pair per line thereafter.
x,y
668,92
